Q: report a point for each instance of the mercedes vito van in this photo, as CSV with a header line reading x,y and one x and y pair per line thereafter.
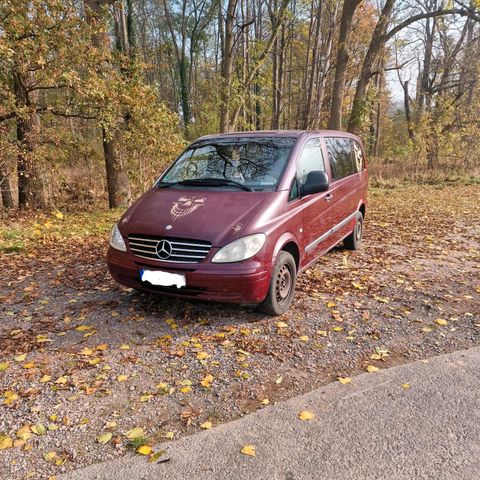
x,y
239,215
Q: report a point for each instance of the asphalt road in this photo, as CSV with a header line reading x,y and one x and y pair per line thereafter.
x,y
373,428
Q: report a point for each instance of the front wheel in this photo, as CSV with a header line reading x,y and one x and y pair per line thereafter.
x,y
282,285
353,241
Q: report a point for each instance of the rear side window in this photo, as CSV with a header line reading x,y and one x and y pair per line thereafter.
x,y
311,160
346,157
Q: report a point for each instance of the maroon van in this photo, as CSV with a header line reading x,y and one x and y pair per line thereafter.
x,y
237,216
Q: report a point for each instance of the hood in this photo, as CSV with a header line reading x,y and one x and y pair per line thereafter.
x,y
217,216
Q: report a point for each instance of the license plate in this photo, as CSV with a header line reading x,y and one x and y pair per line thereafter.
x,y
163,279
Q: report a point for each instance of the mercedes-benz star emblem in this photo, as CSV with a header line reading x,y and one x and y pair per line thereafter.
x,y
164,249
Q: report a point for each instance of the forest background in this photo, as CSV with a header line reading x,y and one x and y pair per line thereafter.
x,y
98,96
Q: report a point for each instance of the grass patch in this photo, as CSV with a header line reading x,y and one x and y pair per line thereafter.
x,y
27,230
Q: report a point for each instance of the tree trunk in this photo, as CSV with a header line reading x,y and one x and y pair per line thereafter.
x,y
118,184
227,67
375,48
31,184
348,11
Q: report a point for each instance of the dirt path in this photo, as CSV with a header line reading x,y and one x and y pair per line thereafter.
x,y
81,356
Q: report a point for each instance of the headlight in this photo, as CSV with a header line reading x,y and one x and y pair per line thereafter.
x,y
116,239
240,249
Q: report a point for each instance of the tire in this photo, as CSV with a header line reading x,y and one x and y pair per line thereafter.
x,y
354,240
282,285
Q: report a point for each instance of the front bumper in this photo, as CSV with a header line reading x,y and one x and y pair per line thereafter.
x,y
243,282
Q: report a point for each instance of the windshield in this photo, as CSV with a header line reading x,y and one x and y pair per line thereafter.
x,y
255,162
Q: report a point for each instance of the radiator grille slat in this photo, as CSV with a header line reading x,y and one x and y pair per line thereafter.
x,y
169,249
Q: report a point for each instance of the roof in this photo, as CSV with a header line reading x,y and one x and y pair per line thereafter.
x,y
279,133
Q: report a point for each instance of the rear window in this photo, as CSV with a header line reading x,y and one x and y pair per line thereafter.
x,y
345,155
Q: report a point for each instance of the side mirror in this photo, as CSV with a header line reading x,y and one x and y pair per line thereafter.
x,y
316,182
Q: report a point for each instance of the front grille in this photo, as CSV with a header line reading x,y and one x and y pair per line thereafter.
x,y
169,249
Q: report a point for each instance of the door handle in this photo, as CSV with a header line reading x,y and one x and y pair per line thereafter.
x,y
328,197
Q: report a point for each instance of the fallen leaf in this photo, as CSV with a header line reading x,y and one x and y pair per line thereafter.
x,y
207,381
202,355
427,329
21,357
441,321
122,378
303,338
3,366
306,415
282,325
406,386
144,450
104,438
45,378
135,433
39,429
5,442
24,433
169,435
49,456
146,397
206,425
372,368
265,401
337,329
124,346
249,450
344,380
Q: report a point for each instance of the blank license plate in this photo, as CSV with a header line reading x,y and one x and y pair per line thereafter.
x,y
163,279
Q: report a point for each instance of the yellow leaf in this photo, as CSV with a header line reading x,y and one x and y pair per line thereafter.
x,y
186,389
169,435
24,433
144,450
331,304
306,415
146,397
372,368
265,401
4,366
102,347
303,338
61,380
135,433
39,429
49,456
104,438
249,450
376,356
344,380
95,361
122,378
83,328
322,333
124,346
86,351
45,378
21,357
441,321
5,442
337,329
29,365
282,325
427,329
406,386
279,380
206,425
202,355
59,215
207,381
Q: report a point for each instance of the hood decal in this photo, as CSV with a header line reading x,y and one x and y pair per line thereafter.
x,y
185,206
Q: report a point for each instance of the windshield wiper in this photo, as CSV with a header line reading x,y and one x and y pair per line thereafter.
x,y
215,182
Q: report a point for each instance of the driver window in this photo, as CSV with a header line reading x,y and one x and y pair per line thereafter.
x,y
311,159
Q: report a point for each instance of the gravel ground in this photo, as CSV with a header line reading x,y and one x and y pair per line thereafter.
x,y
81,356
